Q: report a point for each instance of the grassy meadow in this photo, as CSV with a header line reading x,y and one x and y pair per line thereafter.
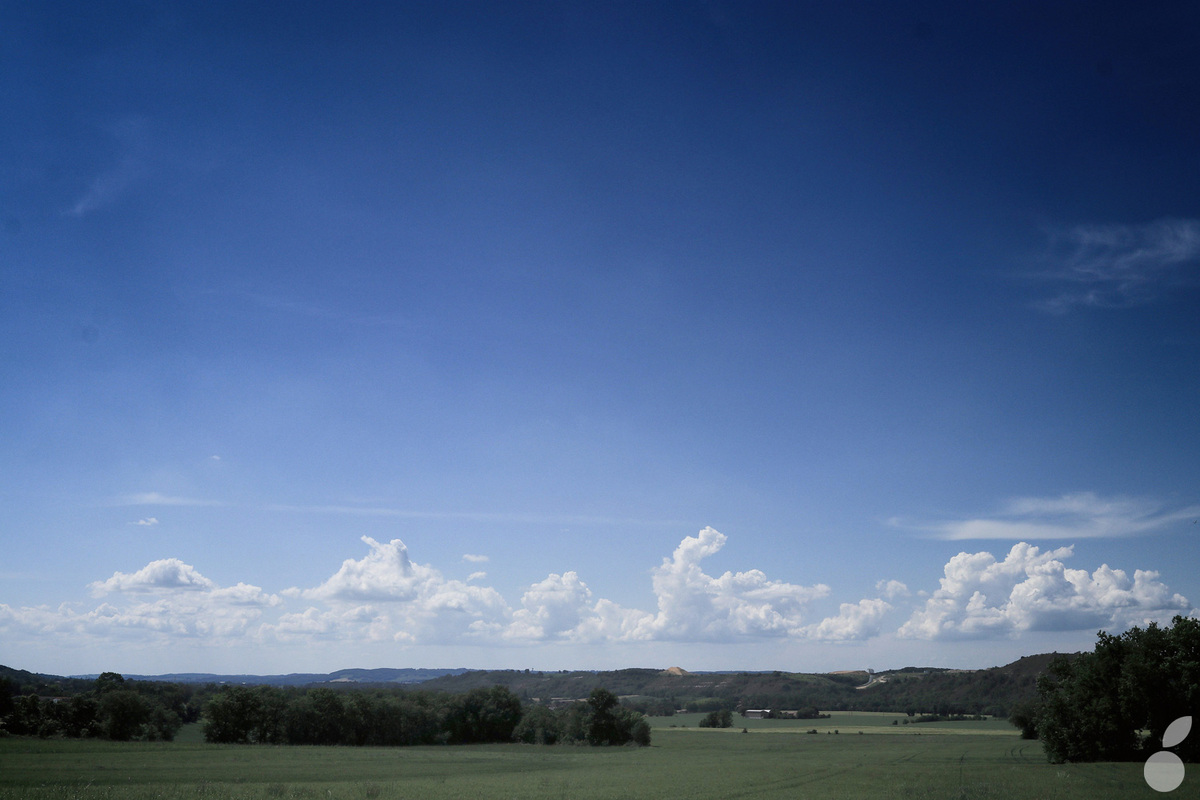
x,y
772,759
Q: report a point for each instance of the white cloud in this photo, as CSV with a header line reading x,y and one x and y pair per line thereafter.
x,y
243,594
386,573
475,559
147,522
166,599
385,597
892,589
694,606
415,603
167,573
310,622
1031,590
1117,266
551,608
854,621
410,601
1083,515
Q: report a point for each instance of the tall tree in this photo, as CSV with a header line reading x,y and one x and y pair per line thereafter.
x,y
1094,706
602,727
483,715
122,713
232,716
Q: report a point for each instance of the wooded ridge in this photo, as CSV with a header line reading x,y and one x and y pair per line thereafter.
x,y
992,691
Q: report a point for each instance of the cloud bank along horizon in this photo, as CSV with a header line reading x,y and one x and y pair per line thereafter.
x,y
385,598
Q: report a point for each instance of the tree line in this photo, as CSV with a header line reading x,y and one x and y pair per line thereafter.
x,y
322,716
108,708
1115,703
996,691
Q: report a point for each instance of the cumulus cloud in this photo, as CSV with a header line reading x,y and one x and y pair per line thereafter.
x,y
853,622
697,607
1082,515
310,622
167,573
560,609
692,605
385,573
1031,590
147,522
415,602
892,589
552,608
165,599
1117,266
410,601
385,596
362,623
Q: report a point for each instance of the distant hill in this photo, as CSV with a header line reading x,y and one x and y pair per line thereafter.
x,y
360,676
991,691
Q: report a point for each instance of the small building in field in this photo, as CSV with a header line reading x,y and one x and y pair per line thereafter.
x,y
757,713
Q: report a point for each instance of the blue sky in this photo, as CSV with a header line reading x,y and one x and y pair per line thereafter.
x,y
549,335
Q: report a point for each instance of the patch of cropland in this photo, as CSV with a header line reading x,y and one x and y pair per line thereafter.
x,y
774,761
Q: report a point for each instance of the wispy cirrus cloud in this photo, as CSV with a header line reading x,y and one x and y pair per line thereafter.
x,y
278,300
1118,266
110,184
160,499
1082,515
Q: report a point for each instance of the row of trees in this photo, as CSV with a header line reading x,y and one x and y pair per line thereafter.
x,y
1115,703
322,716
110,709
601,720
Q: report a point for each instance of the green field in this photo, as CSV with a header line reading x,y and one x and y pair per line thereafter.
x,y
773,759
